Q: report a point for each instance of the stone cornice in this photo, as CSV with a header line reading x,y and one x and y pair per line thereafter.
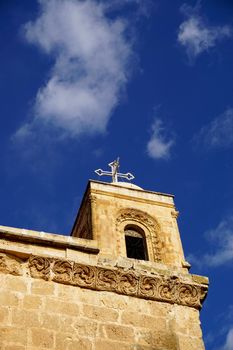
x,y
132,198
171,289
48,239
133,189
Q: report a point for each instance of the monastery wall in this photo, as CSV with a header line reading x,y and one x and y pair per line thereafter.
x,y
57,292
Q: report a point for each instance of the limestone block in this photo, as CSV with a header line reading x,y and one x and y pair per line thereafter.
x,y
116,332
187,343
18,284
42,288
8,298
54,305
16,335
102,344
85,327
83,344
4,314
100,313
14,347
51,321
138,320
64,339
33,302
22,317
42,338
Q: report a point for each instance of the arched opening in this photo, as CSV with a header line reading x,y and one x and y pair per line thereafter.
x,y
135,243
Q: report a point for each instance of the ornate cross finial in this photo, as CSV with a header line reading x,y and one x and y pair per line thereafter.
x,y
115,165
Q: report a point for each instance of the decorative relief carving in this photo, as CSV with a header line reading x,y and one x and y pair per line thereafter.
x,y
10,264
148,286
188,295
128,283
62,271
107,279
172,289
146,220
84,275
167,289
40,267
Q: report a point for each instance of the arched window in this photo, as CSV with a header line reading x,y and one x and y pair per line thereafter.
x,y
135,243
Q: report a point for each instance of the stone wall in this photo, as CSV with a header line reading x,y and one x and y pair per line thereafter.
x,y
58,293
37,314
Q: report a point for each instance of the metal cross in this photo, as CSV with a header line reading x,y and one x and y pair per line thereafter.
x,y
115,165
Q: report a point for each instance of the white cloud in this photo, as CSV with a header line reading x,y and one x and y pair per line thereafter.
x,y
221,238
196,36
218,133
91,63
159,145
229,341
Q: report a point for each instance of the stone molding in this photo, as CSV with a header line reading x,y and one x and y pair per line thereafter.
x,y
49,239
175,214
140,217
132,198
162,288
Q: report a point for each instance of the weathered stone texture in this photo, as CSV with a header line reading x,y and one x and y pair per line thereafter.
x,y
111,206
71,293
39,314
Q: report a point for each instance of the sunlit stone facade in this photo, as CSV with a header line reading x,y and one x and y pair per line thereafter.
x,y
120,281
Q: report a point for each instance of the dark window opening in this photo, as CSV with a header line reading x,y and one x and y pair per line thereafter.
x,y
135,244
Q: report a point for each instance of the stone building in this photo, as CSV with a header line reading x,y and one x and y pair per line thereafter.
x,y
119,282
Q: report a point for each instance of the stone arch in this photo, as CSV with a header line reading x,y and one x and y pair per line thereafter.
x,y
147,223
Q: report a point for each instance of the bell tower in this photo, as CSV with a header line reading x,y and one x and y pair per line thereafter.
x,y
119,282
129,222
138,237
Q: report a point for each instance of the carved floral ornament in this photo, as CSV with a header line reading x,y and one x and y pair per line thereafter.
x,y
168,289
151,225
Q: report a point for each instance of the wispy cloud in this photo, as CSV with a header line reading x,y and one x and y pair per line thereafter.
x,y
92,56
229,341
221,244
196,35
218,133
160,143
222,330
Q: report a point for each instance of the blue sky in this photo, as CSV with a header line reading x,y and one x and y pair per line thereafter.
x,y
83,82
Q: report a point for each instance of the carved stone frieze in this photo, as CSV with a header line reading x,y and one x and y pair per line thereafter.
x,y
10,264
167,289
134,283
107,279
148,286
128,283
40,267
188,294
84,276
62,271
